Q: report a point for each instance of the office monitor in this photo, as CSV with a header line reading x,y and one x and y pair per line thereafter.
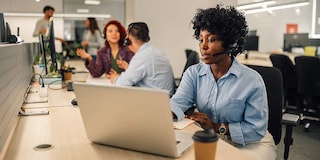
x,y
295,40
251,43
8,31
2,29
52,47
42,45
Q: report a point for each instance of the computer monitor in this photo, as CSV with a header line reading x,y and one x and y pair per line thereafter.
x,y
251,43
42,42
294,40
52,47
2,29
8,31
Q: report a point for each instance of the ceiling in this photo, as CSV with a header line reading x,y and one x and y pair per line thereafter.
x,y
105,7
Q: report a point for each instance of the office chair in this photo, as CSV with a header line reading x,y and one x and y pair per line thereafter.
x,y
273,81
308,74
288,70
192,58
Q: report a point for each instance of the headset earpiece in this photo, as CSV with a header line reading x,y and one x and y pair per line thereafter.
x,y
233,48
127,42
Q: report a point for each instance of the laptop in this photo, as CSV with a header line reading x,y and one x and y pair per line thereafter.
x,y
132,118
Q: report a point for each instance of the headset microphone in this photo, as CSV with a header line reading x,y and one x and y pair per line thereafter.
x,y
217,54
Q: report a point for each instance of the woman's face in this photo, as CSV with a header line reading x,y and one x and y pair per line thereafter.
x,y
87,23
210,46
112,34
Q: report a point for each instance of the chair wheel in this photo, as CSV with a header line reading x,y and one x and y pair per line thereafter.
x,y
307,127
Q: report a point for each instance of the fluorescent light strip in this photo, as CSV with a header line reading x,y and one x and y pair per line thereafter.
x,y
58,15
276,7
82,10
92,2
254,5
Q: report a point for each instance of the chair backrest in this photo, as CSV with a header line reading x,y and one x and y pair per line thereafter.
x,y
273,81
287,68
308,74
192,58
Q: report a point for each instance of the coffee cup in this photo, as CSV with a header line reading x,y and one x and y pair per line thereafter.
x,y
205,144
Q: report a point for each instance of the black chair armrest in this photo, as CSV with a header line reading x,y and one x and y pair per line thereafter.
x,y
290,119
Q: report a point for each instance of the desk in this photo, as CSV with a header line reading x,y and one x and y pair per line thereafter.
x,y
64,129
261,59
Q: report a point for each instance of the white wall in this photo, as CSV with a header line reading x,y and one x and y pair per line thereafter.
x,y
271,27
27,24
170,28
169,25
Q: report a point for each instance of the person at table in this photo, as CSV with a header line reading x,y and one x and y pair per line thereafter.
x,y
113,51
149,67
230,97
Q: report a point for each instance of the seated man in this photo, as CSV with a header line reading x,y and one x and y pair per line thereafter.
x,y
149,67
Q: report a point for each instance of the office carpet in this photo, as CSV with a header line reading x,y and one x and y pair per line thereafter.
x,y
306,145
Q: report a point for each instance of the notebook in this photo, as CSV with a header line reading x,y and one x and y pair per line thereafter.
x,y
132,118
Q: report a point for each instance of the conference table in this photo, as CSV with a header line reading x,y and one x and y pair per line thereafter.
x,y
61,133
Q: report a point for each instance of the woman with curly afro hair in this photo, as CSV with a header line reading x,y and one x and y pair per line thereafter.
x,y
230,97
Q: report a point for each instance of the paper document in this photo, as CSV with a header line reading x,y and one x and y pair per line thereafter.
x,y
99,81
183,123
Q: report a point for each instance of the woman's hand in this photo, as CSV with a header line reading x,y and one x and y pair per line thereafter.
x,y
82,53
202,119
84,43
122,64
112,75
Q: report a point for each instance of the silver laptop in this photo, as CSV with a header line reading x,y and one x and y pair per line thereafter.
x,y
133,118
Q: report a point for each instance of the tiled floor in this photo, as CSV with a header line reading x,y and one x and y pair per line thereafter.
x,y
306,145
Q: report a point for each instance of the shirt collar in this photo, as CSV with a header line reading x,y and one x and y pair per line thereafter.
x,y
143,46
234,69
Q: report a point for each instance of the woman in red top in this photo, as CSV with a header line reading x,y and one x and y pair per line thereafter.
x,y
114,56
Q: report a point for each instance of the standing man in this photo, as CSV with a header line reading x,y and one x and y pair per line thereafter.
x,y
149,67
42,24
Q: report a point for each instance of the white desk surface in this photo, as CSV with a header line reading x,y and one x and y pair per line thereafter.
x,y
260,59
64,129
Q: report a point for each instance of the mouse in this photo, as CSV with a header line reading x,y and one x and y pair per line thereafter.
x,y
74,102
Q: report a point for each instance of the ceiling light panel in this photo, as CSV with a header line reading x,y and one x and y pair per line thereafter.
x,y
92,2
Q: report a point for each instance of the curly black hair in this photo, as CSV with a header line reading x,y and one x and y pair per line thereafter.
x,y
227,24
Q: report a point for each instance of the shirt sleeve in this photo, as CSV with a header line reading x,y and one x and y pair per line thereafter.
x,y
183,99
96,68
135,72
36,29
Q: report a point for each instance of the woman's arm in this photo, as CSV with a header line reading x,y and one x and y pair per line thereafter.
x,y
100,66
184,97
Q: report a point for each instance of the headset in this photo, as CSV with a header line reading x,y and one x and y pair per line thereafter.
x,y
127,41
233,48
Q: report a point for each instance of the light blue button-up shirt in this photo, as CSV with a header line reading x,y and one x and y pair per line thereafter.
x,y
148,68
238,99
